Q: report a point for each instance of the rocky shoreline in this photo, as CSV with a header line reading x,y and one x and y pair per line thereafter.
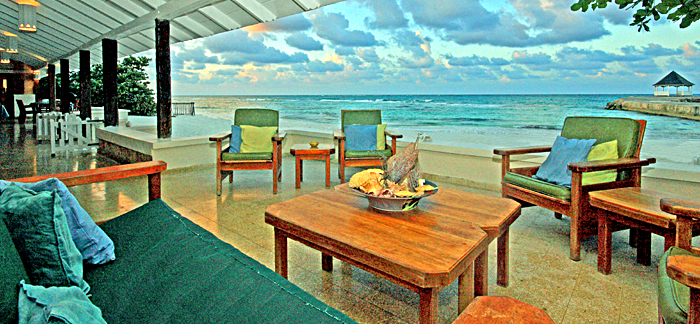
x,y
683,107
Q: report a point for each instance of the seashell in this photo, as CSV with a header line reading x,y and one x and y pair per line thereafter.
x,y
361,178
405,193
424,188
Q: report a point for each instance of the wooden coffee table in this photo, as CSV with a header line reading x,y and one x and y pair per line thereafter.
x,y
306,152
423,250
493,215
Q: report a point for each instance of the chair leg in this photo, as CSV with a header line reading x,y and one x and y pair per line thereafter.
x,y
275,176
218,182
575,240
341,169
557,215
230,177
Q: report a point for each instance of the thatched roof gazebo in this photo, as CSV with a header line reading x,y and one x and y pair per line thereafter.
x,y
673,79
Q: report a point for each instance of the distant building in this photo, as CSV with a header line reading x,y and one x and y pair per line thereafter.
x,y
673,79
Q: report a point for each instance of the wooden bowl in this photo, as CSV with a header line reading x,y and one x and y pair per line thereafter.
x,y
313,144
396,204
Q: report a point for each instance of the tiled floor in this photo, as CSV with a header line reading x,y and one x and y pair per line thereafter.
x,y
541,275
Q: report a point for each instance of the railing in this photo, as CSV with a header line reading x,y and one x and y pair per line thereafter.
x,y
182,108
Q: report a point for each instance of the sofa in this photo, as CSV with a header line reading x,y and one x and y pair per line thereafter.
x,y
170,270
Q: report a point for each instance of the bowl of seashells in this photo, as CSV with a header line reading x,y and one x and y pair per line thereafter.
x,y
397,187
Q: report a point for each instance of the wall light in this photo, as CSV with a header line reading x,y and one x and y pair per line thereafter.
x,y
11,43
27,15
4,57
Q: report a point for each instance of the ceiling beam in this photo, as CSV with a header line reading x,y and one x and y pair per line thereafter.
x,y
168,11
307,5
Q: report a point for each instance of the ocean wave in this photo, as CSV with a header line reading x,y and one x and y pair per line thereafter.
x,y
538,127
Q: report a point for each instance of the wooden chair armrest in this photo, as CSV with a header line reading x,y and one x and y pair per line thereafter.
x,y
684,269
615,164
522,150
681,207
392,134
279,137
220,137
151,169
338,134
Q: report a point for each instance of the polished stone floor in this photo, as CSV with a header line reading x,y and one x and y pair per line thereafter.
x,y
541,272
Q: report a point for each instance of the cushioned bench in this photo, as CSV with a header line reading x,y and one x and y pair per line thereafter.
x,y
170,270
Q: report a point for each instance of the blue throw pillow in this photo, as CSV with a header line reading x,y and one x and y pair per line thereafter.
x,y
94,245
361,137
564,151
236,139
37,304
40,232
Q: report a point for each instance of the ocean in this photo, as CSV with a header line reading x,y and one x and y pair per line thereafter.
x,y
502,118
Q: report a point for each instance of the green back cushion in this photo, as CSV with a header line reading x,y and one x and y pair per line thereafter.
x,y
605,129
673,296
11,273
256,117
360,117
40,233
171,270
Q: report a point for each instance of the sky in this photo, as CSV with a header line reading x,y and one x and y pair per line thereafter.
x,y
438,47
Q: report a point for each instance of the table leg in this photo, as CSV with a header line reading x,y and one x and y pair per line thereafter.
x,y
301,170
328,171
503,273
465,289
281,253
481,274
428,305
298,172
604,242
644,247
326,262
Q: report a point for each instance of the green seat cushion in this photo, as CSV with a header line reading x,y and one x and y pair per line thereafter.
x,y
170,270
674,297
368,154
12,272
542,187
245,156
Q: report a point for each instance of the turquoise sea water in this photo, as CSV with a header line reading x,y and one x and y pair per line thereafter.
x,y
483,114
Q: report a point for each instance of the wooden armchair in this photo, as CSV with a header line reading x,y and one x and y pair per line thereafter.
x,y
24,110
679,268
227,162
361,158
518,184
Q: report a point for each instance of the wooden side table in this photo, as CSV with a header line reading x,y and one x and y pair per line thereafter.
x,y
635,207
306,152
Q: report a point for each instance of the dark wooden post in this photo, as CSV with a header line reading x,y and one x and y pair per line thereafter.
x,y
65,85
85,90
52,87
163,78
109,81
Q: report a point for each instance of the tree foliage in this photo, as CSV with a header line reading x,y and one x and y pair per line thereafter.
x,y
685,11
132,86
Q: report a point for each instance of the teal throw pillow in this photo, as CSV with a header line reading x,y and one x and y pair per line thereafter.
x,y
236,139
360,137
564,151
11,273
70,305
40,233
94,245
